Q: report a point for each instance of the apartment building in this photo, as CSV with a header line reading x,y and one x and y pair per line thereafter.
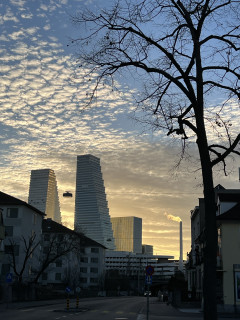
x,y
79,260
23,225
228,255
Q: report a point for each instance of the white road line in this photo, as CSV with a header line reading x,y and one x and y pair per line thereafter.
x,y
141,316
26,310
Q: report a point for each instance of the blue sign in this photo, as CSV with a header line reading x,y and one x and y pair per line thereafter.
x,y
148,280
68,290
9,277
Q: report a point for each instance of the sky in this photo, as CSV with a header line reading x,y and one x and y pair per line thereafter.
x,y
43,125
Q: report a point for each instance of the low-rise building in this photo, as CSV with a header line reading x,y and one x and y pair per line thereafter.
x,y
23,228
228,254
134,265
79,260
2,233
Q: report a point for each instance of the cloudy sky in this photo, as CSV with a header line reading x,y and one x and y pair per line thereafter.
x,y
42,126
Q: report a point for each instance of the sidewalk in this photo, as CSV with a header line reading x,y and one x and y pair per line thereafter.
x,y
158,310
30,304
161,309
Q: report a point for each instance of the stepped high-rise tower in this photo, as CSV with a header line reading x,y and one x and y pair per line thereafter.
x,y
43,193
91,206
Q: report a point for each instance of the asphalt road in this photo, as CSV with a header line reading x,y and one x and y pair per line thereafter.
x,y
121,308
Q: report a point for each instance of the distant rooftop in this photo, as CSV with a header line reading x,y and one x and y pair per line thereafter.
x,y
50,226
6,199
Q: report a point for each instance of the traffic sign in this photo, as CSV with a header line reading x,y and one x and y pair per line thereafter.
x,y
149,270
148,280
68,290
9,277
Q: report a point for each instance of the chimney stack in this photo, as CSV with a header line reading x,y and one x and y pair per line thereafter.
x,y
180,266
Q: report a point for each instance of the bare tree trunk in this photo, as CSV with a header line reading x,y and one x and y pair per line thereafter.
x,y
210,231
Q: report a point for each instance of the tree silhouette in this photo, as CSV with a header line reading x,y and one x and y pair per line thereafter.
x,y
186,54
29,246
58,245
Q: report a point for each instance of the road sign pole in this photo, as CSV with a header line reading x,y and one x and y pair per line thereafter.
x,y
149,273
147,300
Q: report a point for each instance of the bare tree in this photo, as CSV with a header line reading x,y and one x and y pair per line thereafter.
x,y
29,246
186,54
57,246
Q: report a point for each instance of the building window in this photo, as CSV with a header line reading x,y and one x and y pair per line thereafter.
x,y
44,276
83,270
57,276
83,280
12,249
46,237
82,250
9,231
5,269
12,213
84,259
45,250
60,237
94,270
59,263
94,280
95,250
94,260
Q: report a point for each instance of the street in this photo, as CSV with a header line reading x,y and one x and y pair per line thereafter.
x,y
117,308
121,308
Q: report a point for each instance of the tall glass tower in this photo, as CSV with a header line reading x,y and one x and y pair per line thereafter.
x,y
43,193
91,207
127,232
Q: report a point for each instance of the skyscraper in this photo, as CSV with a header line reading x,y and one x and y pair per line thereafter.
x,y
43,193
91,207
127,232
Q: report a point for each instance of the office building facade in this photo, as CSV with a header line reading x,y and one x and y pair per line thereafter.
x,y
43,193
91,207
127,232
147,249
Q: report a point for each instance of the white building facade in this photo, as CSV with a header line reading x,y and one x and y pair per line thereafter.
x,y
43,193
82,266
127,232
22,222
91,207
132,264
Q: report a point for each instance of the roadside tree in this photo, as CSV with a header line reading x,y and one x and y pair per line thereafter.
x,y
186,55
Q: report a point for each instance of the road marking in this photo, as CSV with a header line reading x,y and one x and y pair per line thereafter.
x,y
25,310
141,316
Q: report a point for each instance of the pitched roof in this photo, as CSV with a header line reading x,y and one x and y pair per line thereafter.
x,y
229,197
231,214
6,199
50,226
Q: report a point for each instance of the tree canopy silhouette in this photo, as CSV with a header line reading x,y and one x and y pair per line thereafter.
x,y
186,55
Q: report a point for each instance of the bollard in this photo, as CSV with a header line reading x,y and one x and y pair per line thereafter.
x,y
67,304
77,302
